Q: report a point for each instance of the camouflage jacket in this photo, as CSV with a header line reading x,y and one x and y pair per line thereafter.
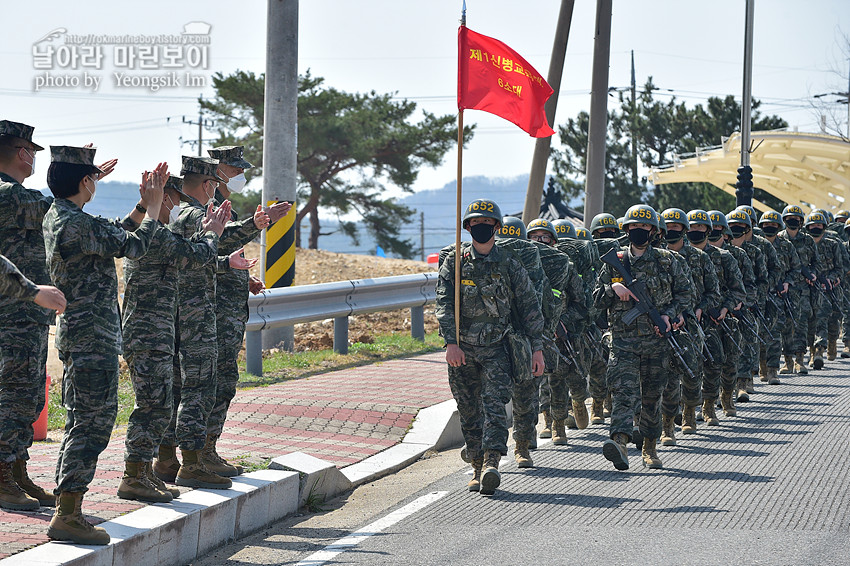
x,y
495,289
80,256
13,283
831,258
196,310
774,269
807,251
666,282
748,277
151,287
556,266
789,261
704,276
22,211
729,277
759,261
231,294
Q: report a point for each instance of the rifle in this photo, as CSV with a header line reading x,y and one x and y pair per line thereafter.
x,y
830,291
714,314
817,281
644,306
741,315
755,310
563,337
787,303
706,352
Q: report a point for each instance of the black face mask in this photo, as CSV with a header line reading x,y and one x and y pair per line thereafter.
x,y
674,236
696,237
482,233
792,222
716,235
606,233
639,236
770,230
738,231
815,231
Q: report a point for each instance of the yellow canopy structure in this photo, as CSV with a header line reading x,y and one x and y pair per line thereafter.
x,y
812,170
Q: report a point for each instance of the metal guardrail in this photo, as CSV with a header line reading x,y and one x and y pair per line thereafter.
x,y
338,300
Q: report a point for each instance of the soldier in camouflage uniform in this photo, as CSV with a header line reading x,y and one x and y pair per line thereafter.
x,y
13,284
149,310
771,223
495,295
231,309
804,300
706,297
23,324
196,331
80,256
839,305
832,269
640,359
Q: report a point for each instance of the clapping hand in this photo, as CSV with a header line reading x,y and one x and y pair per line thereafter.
x,y
216,218
238,261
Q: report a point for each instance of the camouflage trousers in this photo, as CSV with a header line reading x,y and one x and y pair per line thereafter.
x,y
482,387
598,360
231,332
733,348
749,357
526,406
193,396
23,358
845,319
638,368
564,384
773,350
680,387
152,375
819,321
713,370
801,302
90,397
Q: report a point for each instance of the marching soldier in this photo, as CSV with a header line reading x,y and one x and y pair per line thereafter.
x,y
828,279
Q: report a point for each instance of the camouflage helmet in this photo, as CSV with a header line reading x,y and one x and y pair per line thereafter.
x,y
830,217
847,225
620,221
512,227
718,221
792,210
542,224
699,216
815,217
676,216
842,214
564,228
482,208
771,216
603,221
641,214
749,210
583,234
739,216
662,226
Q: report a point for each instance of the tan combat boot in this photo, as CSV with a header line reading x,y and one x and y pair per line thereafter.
x,y
788,368
193,473
559,433
606,407
727,403
750,386
580,414
845,353
689,419
649,455
475,483
771,377
69,523
743,395
570,422
547,425
521,455
832,349
22,478
596,416
817,357
158,483
615,450
708,413
668,433
800,365
136,485
490,478
12,497
167,465
763,370
215,463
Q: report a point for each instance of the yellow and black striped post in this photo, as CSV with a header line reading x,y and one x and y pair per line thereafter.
x,y
280,251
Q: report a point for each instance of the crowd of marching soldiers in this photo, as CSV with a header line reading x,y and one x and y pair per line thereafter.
x,y
659,319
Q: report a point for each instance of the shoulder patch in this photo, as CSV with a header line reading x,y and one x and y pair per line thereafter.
x,y
468,282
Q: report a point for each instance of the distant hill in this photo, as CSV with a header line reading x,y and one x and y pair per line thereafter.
x,y
112,199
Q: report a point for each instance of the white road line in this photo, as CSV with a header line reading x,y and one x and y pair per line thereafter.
x,y
355,538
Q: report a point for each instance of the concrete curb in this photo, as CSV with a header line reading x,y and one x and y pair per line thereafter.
x,y
198,521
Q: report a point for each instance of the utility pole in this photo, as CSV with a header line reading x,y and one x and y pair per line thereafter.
x,y
541,147
632,124
594,188
744,190
201,123
422,234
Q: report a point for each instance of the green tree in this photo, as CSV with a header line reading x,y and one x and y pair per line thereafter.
x,y
660,129
350,146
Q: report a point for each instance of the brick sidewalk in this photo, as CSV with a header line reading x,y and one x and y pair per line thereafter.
x,y
342,417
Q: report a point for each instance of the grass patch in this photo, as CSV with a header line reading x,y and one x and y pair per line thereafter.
x,y
283,366
126,400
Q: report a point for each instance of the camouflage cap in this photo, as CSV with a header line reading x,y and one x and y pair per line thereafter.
x,y
175,183
73,155
18,130
205,166
230,155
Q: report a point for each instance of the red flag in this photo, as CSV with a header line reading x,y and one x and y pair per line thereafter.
x,y
494,78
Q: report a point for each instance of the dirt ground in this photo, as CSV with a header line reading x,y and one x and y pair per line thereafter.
x,y
319,266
